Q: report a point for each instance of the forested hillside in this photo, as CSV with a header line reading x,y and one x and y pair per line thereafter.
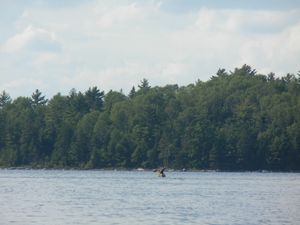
x,y
237,120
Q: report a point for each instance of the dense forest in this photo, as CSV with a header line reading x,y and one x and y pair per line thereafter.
x,y
236,121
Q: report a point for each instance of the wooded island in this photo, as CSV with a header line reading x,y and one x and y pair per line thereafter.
x,y
235,121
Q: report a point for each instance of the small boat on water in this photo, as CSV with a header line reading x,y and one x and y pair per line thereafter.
x,y
160,172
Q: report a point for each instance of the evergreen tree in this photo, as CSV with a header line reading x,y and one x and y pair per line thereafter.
x,y
4,99
235,121
37,98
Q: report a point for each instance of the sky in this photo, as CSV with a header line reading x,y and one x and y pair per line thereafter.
x,y
57,45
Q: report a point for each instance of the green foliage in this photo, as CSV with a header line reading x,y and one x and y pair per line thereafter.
x,y
37,98
235,121
4,99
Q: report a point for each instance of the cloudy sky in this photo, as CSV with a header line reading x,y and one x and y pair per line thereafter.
x,y
56,45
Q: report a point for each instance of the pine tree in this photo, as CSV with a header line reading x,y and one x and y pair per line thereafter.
x,y
37,98
4,99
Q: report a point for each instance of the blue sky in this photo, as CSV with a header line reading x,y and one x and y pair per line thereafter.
x,y
58,45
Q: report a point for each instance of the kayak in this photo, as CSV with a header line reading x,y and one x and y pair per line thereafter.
x,y
161,175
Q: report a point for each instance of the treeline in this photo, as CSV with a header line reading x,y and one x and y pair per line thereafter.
x,y
237,120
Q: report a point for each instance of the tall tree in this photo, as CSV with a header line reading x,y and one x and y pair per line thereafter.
x,y
94,98
38,99
4,99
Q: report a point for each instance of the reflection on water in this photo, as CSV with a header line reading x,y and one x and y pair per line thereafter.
x,y
57,197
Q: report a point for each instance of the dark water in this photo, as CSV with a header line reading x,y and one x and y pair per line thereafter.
x,y
41,197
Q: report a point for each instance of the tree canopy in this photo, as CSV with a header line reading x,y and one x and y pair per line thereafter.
x,y
238,120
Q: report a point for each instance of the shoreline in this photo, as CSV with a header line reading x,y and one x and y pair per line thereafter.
x,y
150,170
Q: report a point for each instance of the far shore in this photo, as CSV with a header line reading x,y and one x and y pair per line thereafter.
x,y
142,169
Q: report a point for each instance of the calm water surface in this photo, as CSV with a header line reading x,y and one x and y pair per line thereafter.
x,y
57,197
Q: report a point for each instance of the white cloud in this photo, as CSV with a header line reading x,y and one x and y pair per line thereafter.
x,y
23,86
118,15
45,57
115,44
230,38
174,72
245,21
33,39
116,78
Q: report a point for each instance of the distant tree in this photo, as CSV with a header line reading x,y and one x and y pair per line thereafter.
x,y
37,98
113,97
4,99
132,92
94,98
221,72
144,86
271,76
100,157
82,142
244,71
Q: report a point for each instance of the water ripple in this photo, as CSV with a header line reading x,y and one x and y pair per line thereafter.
x,y
58,197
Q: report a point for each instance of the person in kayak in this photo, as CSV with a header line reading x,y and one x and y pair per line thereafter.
x,y
160,172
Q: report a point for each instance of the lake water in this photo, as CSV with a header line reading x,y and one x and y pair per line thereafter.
x,y
58,197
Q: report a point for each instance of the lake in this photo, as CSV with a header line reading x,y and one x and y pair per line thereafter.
x,y
65,197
